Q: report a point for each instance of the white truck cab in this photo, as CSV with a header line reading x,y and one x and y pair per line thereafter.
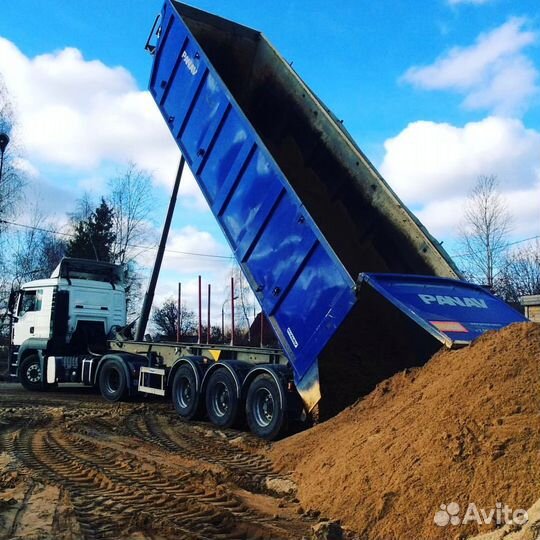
x,y
65,316
33,313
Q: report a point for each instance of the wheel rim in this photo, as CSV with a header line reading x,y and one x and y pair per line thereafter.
x,y
113,381
263,407
221,399
184,393
33,373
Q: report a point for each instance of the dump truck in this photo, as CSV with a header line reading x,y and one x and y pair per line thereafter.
x,y
354,286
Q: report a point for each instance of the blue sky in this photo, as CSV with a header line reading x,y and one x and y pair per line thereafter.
x,y
435,92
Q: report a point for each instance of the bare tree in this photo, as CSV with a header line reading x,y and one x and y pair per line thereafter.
x,y
165,318
521,273
83,209
246,303
12,180
132,201
485,230
36,250
31,253
11,190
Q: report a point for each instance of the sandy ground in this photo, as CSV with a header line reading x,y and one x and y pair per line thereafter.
x,y
464,428
73,466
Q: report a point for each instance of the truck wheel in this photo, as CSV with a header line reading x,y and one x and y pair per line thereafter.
x,y
222,402
185,395
266,415
113,383
30,373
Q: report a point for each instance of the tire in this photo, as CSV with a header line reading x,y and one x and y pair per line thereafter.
x,y
222,401
30,375
186,397
113,382
265,413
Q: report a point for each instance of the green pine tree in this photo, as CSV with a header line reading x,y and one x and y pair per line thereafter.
x,y
94,237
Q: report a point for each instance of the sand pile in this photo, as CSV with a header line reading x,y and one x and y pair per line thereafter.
x,y
465,428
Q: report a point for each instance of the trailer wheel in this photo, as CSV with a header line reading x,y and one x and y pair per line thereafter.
x,y
30,373
185,395
113,383
266,414
222,402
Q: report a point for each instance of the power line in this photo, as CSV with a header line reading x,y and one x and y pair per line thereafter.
x,y
461,255
71,235
226,257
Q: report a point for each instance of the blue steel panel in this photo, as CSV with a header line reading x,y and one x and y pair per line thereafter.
x,y
287,241
222,156
451,310
256,189
301,284
182,85
167,54
320,288
203,117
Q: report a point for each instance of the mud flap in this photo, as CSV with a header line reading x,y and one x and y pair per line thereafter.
x,y
309,388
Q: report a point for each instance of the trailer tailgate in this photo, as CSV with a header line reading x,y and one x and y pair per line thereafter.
x,y
454,312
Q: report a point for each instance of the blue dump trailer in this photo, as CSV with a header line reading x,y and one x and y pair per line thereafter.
x,y
353,284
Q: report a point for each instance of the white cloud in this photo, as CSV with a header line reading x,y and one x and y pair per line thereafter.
x,y
181,263
95,185
192,241
48,202
81,114
493,73
524,205
433,167
186,249
443,218
25,167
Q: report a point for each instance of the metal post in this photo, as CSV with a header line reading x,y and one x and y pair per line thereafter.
x,y
149,295
200,312
262,328
223,322
232,311
208,322
179,317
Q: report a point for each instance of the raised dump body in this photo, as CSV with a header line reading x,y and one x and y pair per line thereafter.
x,y
303,209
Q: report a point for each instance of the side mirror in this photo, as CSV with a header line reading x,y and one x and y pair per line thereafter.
x,y
12,301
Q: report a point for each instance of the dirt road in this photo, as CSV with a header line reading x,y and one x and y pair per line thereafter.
x,y
73,467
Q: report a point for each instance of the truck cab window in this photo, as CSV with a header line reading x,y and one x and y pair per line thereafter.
x,y
31,301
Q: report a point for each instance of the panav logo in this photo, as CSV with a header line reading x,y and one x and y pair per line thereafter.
x,y
462,301
192,68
